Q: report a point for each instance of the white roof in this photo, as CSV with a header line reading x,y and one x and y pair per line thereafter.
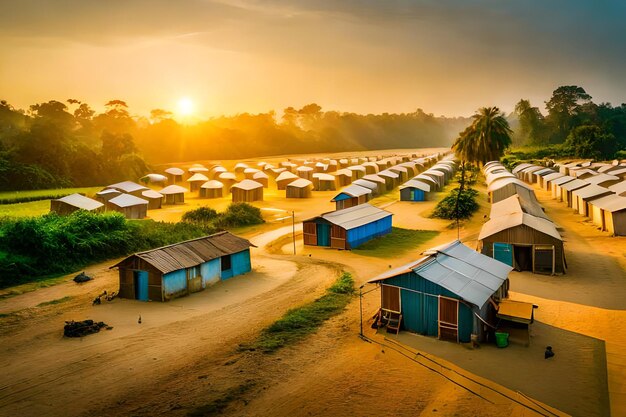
x,y
618,188
373,178
80,201
591,191
562,180
250,170
345,172
470,275
356,168
543,172
155,177
259,175
398,168
248,185
241,165
286,175
425,178
127,186
355,216
323,177
197,168
517,204
366,184
300,183
127,200
213,184
174,171
491,177
414,183
219,168
108,191
173,189
498,224
433,172
521,167
197,177
574,184
227,176
388,174
354,191
152,194
304,169
553,176
502,182
610,203
600,178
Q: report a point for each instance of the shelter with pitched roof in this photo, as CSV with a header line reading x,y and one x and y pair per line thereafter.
x,y
180,269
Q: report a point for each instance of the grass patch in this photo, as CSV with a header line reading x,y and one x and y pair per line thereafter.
x,y
13,197
218,405
395,243
32,209
299,322
54,302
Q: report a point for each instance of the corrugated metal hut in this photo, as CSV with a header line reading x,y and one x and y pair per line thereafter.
x,y
450,293
414,190
324,182
403,173
603,180
343,177
351,196
70,203
505,187
262,178
128,187
196,180
370,168
367,184
241,167
609,214
174,175
392,179
212,189
299,188
216,171
380,182
569,187
583,196
176,270
130,206
524,241
247,190
434,184
436,175
546,182
305,172
174,194
555,186
154,198
357,171
107,194
249,173
347,228
619,188
285,178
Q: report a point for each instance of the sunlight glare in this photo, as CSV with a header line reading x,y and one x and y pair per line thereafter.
x,y
185,106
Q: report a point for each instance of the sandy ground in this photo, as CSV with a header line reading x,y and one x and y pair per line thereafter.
x,y
184,354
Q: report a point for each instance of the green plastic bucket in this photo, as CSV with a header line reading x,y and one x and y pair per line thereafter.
x,y
502,339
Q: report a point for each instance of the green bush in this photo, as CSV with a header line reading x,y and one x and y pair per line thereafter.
x,y
447,207
240,214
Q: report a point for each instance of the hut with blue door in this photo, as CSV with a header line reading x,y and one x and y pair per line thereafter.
x,y
414,190
176,270
451,293
347,228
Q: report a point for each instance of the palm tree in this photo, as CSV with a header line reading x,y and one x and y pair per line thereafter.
x,y
485,139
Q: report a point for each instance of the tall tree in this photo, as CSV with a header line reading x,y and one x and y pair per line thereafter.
x,y
531,123
564,105
485,139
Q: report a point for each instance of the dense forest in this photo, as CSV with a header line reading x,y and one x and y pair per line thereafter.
x,y
57,144
574,126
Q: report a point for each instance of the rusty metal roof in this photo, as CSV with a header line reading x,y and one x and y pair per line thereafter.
x,y
191,252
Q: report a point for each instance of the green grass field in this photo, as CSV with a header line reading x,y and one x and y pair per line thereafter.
x,y
12,197
395,243
34,208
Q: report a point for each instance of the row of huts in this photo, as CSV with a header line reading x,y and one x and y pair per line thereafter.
x,y
433,179
593,190
518,232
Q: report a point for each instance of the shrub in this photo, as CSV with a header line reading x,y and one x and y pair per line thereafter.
x,y
240,214
447,207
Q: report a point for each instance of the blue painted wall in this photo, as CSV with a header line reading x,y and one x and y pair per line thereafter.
x,y
210,272
418,195
342,196
175,283
420,311
362,234
240,264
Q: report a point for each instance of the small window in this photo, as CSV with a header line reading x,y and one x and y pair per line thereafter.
x,y
226,263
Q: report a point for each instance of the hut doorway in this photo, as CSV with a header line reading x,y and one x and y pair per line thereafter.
x,y
323,234
140,281
337,237
503,252
194,279
544,259
448,322
523,257
309,232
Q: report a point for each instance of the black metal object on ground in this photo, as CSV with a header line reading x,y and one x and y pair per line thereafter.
x,y
82,328
82,277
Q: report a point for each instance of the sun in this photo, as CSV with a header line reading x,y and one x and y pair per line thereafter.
x,y
185,106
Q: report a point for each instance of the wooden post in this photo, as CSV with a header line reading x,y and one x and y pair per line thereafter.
x,y
293,224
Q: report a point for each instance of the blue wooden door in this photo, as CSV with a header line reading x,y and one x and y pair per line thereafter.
x,y
141,285
418,195
503,252
323,235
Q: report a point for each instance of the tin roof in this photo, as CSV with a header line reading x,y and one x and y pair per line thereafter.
x,y
174,171
501,182
197,178
248,185
366,184
574,185
500,223
470,275
591,191
356,216
152,194
191,252
610,203
214,184
354,191
127,200
300,183
80,201
127,186
415,183
562,180
286,175
173,189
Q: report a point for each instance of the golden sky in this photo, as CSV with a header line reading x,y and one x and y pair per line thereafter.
x,y
366,56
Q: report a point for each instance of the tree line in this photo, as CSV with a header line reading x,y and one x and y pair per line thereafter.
x,y
574,123
62,144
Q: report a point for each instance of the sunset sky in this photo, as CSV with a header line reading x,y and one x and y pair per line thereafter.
x,y
446,57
